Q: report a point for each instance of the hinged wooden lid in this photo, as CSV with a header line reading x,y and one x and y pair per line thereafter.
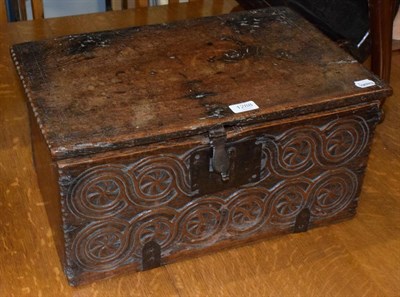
x,y
103,91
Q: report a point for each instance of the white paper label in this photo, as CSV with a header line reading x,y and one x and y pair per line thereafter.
x,y
365,83
244,106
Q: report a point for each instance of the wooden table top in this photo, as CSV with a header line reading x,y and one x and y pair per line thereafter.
x,y
360,257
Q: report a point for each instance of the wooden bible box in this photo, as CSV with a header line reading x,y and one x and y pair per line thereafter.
x,y
158,143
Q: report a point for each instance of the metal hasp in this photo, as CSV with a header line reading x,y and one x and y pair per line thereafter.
x,y
302,221
151,255
225,164
220,161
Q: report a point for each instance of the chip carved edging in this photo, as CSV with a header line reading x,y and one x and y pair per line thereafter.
x,y
68,270
68,263
28,95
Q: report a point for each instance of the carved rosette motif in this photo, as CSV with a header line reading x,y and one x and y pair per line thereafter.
x,y
158,226
159,230
287,202
103,192
201,221
99,193
247,210
102,246
158,179
344,138
331,193
296,150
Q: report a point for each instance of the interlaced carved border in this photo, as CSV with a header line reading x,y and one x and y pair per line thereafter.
x,y
104,245
104,191
296,151
101,194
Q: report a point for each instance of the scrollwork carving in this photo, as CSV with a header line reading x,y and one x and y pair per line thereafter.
x,y
299,149
202,222
102,193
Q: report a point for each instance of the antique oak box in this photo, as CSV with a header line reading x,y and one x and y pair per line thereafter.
x,y
158,143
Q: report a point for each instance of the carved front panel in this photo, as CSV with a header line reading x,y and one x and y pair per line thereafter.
x,y
112,210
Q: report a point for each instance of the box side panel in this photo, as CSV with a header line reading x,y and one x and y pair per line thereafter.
x,y
47,176
117,205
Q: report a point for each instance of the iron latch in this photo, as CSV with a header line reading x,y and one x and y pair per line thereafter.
x,y
220,160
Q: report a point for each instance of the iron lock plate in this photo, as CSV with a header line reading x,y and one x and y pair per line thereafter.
x,y
244,167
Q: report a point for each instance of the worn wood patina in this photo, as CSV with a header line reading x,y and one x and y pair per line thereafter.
x,y
143,162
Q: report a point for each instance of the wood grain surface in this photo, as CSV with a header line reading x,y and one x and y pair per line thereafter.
x,y
360,257
153,83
